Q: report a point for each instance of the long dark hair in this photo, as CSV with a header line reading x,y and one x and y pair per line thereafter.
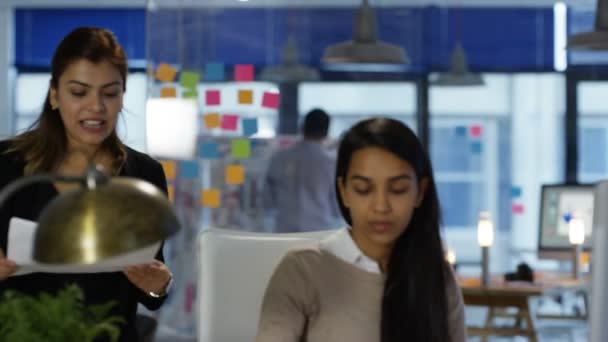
x,y
414,305
44,144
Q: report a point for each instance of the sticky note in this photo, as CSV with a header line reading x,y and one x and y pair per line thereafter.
x,y
170,168
270,100
212,97
476,131
243,72
517,208
209,150
210,198
515,191
168,92
476,147
250,126
229,122
189,79
190,94
461,131
241,148
214,72
188,169
189,297
285,142
165,73
235,174
245,96
171,192
212,120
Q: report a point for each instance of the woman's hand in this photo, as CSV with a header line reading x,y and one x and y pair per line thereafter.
x,y
7,267
151,277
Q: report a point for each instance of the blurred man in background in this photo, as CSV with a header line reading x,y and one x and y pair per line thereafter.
x,y
299,186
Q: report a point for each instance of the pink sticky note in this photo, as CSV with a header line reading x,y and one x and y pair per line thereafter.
x,y
229,122
270,100
189,297
517,208
212,98
243,72
475,131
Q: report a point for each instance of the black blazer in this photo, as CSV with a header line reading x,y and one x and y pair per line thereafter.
x,y
98,287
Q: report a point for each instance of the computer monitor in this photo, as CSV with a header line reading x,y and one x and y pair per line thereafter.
x,y
558,203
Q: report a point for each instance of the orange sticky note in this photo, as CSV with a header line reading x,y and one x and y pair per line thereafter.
x,y
168,92
245,96
212,120
165,72
171,192
210,198
235,174
170,169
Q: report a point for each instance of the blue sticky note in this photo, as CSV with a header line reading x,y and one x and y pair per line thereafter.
x,y
209,150
250,126
214,72
476,147
515,191
188,169
461,131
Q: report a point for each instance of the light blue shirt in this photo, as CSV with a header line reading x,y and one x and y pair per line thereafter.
x,y
300,190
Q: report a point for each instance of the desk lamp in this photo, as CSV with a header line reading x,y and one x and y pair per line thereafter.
x,y
485,238
450,257
576,235
103,218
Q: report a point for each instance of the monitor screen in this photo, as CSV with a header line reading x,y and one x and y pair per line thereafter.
x,y
558,204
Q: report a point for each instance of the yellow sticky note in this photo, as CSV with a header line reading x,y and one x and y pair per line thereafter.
x,y
210,198
212,120
235,174
245,96
170,169
165,72
171,192
168,92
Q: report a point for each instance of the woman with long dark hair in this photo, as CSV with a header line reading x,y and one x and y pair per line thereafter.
x,y
77,126
385,277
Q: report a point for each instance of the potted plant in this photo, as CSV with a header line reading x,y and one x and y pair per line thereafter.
x,y
62,317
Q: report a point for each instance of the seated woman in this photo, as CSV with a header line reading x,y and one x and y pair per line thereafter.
x,y
383,279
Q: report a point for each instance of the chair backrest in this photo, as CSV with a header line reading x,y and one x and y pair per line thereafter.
x,y
234,269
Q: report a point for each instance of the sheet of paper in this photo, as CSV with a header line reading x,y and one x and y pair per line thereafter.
x,y
20,246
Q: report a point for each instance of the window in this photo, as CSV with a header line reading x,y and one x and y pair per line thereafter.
x,y
350,102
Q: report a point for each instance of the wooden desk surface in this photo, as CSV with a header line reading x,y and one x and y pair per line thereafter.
x,y
502,294
543,283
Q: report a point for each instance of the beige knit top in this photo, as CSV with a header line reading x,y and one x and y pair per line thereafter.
x,y
313,296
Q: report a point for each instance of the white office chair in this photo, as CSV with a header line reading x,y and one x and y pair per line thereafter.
x,y
234,269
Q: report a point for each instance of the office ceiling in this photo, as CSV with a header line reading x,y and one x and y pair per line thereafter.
x,y
288,3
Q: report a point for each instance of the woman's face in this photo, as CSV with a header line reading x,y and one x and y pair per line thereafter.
x,y
89,97
381,191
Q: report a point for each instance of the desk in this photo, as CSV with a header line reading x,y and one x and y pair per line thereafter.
x,y
500,295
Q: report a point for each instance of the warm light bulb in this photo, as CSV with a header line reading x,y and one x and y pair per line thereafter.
x,y
450,256
485,230
576,231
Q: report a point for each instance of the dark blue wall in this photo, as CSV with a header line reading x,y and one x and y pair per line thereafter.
x,y
499,39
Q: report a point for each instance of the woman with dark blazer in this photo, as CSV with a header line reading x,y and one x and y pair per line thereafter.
x,y
77,127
